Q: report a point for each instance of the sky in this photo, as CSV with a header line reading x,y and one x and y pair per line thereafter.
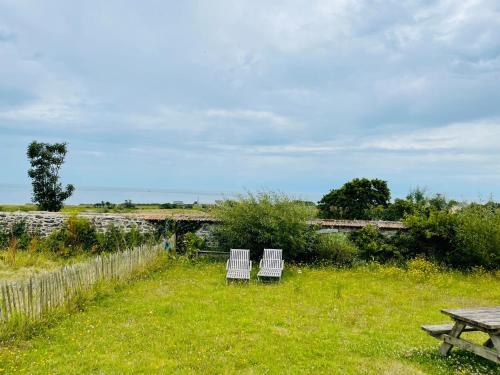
x,y
193,100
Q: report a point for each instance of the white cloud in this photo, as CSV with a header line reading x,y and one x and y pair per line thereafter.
x,y
251,115
477,136
52,110
264,91
472,141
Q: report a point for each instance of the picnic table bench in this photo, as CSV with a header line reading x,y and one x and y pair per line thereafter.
x,y
484,319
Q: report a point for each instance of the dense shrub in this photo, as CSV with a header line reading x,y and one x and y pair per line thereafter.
x,y
76,235
4,238
372,244
265,220
465,238
191,243
114,239
432,236
334,248
477,238
18,231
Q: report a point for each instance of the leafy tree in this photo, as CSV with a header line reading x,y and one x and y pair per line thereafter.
x,y
46,160
355,199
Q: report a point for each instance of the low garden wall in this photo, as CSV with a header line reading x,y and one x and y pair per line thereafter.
x,y
46,222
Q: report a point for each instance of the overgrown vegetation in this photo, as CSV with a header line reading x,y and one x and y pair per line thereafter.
x,y
265,220
76,236
437,229
22,264
334,248
464,238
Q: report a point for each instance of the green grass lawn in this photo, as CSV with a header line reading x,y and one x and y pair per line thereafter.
x,y
184,319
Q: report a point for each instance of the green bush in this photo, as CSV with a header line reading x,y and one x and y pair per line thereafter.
x,y
79,235
192,243
4,238
134,237
374,245
477,239
265,220
469,238
18,231
112,240
76,235
432,235
335,248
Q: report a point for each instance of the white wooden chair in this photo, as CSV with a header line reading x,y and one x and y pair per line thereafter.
x,y
238,265
271,264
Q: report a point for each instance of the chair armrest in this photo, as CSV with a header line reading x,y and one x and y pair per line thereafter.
x,y
282,264
260,263
250,265
227,264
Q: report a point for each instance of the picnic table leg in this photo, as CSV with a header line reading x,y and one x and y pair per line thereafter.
x,y
456,331
495,342
488,343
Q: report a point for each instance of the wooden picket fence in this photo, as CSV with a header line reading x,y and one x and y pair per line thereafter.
x,y
33,297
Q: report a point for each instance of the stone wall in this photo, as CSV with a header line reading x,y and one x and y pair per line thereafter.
x,y
46,222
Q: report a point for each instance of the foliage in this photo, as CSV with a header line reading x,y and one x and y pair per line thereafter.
x,y
373,245
4,237
181,228
416,202
477,239
335,248
134,237
432,235
46,160
76,235
355,199
265,220
318,320
394,211
191,243
113,239
18,231
462,238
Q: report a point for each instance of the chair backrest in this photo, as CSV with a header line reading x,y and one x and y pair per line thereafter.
x,y
239,259
272,258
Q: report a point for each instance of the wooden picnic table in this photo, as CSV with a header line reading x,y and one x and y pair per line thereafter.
x,y
484,319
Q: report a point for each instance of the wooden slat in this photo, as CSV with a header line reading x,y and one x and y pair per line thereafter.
x,y
474,348
485,317
271,264
440,329
42,293
239,265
